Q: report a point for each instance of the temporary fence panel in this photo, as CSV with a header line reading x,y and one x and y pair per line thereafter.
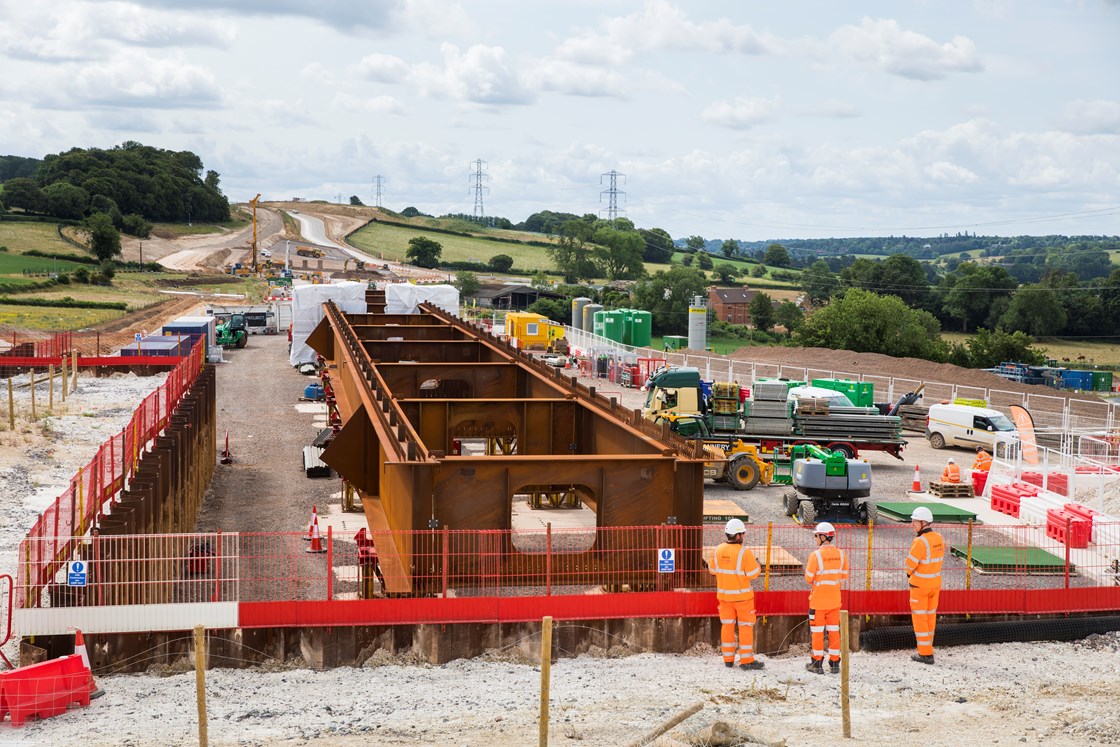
x,y
164,582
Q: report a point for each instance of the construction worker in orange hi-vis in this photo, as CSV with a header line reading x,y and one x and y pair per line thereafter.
x,y
951,473
825,571
734,566
923,570
983,461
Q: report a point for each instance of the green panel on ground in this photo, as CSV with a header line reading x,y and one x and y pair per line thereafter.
x,y
901,510
1013,559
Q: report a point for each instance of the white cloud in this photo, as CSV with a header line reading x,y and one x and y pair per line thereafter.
x,y
660,26
882,44
123,120
384,68
561,76
139,80
375,105
319,74
834,109
437,19
1098,117
77,30
348,16
950,173
480,75
740,113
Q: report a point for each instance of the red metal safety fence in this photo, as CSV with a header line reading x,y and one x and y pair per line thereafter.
x,y
57,533
445,576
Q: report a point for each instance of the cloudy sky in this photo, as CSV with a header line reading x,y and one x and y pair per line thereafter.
x,y
726,119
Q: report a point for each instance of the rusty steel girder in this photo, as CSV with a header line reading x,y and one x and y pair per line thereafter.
x,y
411,388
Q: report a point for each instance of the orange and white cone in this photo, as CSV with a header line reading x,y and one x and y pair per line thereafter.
x,y
316,540
80,648
311,524
917,486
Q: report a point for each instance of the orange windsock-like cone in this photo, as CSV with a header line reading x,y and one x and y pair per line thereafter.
x,y
917,486
316,540
80,648
311,524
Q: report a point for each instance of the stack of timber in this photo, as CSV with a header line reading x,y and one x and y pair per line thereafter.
x,y
951,490
913,417
854,423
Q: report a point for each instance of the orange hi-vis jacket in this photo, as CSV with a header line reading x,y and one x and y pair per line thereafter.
x,y
983,461
826,570
951,473
734,566
923,564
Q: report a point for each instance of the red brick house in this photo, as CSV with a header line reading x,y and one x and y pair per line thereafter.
x,y
730,304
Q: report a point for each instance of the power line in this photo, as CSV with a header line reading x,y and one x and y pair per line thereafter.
x,y
377,189
612,193
479,176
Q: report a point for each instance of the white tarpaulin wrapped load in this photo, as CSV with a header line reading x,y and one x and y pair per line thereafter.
x,y
405,298
307,312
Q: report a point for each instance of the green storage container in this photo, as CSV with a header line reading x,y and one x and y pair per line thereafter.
x,y
1102,381
861,393
612,324
641,329
674,342
627,325
597,322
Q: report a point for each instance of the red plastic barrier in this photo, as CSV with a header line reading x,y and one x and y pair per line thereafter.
x,y
1026,489
1005,501
979,480
45,689
1034,478
1081,512
1057,482
1079,530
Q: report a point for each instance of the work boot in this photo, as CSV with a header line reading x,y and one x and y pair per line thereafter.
x,y
922,658
729,664
756,664
816,666
834,667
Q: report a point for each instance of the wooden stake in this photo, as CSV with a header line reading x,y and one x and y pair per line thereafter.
x,y
11,408
65,381
33,394
74,368
546,669
50,388
845,714
666,726
200,681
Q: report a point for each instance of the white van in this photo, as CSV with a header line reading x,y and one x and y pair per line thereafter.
x,y
962,425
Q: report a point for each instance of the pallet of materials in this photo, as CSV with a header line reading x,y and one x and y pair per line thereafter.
x,y
313,466
782,562
913,417
942,513
951,489
721,511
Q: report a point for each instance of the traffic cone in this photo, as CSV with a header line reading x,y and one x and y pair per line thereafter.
x,y
80,648
312,524
316,540
917,486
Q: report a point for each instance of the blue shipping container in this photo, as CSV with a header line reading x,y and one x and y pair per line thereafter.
x,y
1077,379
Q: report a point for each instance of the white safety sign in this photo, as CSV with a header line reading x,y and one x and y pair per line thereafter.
x,y
666,560
139,337
77,573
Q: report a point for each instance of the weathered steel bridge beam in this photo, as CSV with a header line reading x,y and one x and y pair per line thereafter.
x,y
503,379
430,351
540,426
409,332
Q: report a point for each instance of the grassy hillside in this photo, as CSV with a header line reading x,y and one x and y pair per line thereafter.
x,y
17,264
391,242
20,236
1094,352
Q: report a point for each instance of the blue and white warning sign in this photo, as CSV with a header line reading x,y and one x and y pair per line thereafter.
x,y
138,337
77,573
666,560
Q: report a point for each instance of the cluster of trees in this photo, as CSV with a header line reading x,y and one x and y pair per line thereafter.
x,y
132,183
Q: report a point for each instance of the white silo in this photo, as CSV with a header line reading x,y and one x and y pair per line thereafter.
x,y
698,324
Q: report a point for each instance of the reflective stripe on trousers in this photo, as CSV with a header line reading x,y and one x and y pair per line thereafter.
x,y
820,622
923,613
738,620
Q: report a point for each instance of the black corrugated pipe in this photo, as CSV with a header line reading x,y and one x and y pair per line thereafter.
x,y
1012,631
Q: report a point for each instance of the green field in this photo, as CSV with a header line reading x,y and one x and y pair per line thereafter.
x,y
391,242
20,236
47,318
1093,352
17,264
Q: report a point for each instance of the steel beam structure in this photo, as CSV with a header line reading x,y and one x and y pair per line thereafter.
x,y
411,388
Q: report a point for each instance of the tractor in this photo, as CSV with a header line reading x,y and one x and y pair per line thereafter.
x,y
827,486
232,332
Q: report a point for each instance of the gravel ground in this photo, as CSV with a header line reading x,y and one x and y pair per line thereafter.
x,y
1045,693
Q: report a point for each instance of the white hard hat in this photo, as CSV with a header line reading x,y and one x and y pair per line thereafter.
x,y
825,528
952,461
921,513
735,526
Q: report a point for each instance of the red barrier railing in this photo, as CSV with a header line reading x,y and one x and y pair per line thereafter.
x,y
53,537
485,576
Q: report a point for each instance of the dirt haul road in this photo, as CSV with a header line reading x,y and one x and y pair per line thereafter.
x,y
194,253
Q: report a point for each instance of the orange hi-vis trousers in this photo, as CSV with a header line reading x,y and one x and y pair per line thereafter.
x,y
738,626
821,621
923,612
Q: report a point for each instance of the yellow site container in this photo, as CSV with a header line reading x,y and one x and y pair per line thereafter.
x,y
532,331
